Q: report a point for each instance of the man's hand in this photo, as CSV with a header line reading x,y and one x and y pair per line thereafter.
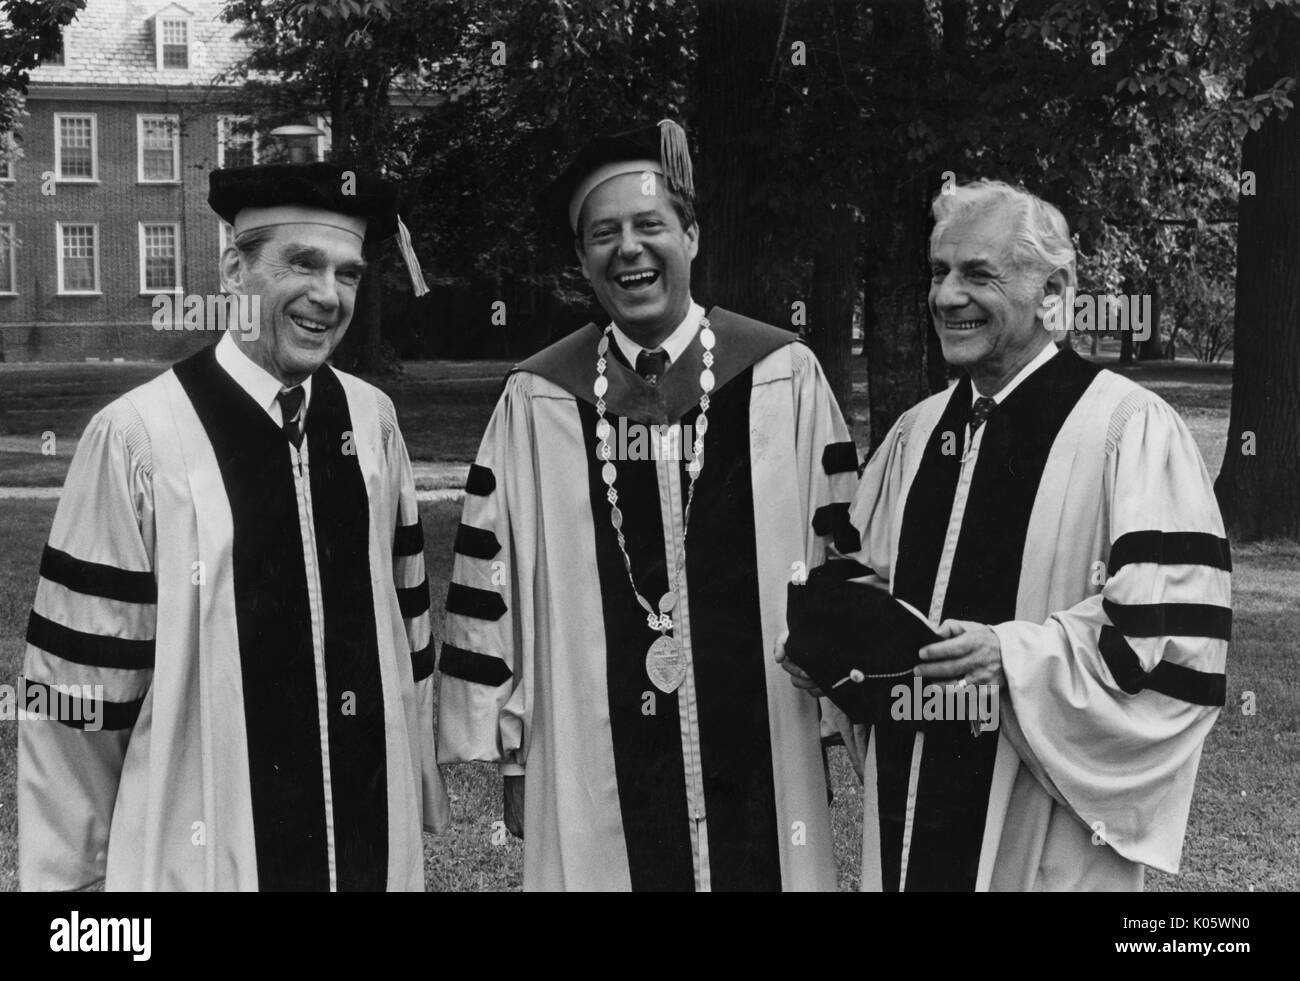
x,y
971,653
798,677
514,806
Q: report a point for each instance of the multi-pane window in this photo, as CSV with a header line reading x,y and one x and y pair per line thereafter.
x,y
78,258
159,148
159,258
7,277
74,146
236,146
6,158
175,44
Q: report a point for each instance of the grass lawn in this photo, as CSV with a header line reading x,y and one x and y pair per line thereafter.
x,y
444,407
1244,830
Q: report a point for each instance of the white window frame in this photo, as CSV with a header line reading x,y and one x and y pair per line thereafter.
x,y
175,226
175,124
223,126
7,167
94,148
158,29
9,235
324,142
58,254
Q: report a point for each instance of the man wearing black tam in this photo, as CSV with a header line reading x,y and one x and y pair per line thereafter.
x,y
235,581
620,674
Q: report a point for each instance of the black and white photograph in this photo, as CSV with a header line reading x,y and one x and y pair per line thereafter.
x,y
651,446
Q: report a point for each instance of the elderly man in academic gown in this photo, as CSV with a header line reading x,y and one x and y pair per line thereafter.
x,y
1057,525
236,574
619,674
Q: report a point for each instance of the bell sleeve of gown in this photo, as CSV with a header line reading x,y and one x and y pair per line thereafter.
x,y
484,702
877,500
412,584
1111,700
827,462
89,657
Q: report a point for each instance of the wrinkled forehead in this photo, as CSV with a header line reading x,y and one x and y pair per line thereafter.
x,y
625,195
334,243
987,233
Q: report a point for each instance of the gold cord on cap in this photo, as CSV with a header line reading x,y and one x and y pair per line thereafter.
x,y
675,155
412,263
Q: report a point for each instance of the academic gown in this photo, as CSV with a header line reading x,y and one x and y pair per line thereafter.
x,y
259,624
719,785
1085,530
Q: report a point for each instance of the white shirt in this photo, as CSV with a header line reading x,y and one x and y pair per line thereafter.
x,y
673,345
260,384
1040,359
1043,356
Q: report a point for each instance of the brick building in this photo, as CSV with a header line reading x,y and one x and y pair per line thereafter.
x,y
106,208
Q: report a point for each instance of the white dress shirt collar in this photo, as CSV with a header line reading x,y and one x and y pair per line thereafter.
x,y
1043,356
674,345
260,384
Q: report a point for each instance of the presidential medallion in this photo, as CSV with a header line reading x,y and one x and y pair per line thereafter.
x,y
665,663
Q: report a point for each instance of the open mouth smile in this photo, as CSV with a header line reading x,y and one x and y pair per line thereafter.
x,y
311,326
964,324
637,280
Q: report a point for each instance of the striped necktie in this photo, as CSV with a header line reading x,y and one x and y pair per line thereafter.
x,y
651,365
291,413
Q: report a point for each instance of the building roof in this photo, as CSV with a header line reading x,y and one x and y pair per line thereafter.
x,y
111,42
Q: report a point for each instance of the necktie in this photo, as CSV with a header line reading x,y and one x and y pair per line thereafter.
x,y
979,412
291,414
651,365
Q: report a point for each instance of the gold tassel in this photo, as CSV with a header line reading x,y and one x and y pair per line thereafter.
x,y
412,263
675,155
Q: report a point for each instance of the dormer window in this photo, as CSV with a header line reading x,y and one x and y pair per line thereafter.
x,y
176,44
172,37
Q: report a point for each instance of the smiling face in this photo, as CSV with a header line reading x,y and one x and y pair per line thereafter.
x,y
987,306
307,277
637,256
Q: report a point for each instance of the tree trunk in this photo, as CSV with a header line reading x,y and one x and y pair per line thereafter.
x,y
737,43
1259,485
830,312
897,344
898,340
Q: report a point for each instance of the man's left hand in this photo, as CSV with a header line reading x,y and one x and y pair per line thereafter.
x,y
970,652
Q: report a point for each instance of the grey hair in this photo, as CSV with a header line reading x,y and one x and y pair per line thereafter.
x,y
1041,236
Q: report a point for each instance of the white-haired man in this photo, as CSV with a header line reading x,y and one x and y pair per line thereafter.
x,y
1057,523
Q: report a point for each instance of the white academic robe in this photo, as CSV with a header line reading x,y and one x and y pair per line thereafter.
x,y
720,784
1113,655
162,582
